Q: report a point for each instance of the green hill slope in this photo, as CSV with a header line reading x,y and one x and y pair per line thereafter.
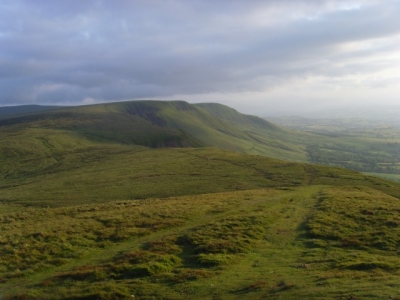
x,y
87,211
180,124
170,124
226,225
7,111
54,166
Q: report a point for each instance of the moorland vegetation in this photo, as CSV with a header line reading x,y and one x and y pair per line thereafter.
x,y
117,201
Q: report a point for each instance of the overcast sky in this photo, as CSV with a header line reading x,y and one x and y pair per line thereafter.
x,y
256,56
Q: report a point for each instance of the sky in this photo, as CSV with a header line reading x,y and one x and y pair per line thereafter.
x,y
258,57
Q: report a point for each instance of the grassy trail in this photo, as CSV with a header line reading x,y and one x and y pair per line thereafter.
x,y
281,264
280,235
273,266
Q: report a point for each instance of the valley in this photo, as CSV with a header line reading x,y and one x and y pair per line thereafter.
x,y
366,144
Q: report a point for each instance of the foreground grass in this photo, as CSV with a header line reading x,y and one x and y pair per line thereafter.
x,y
311,242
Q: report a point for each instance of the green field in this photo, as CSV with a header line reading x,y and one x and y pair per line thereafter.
x,y
394,177
98,203
364,144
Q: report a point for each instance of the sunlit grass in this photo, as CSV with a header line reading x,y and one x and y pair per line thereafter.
x,y
84,214
266,243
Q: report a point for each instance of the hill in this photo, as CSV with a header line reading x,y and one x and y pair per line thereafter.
x,y
210,223
6,111
171,124
79,155
93,210
180,124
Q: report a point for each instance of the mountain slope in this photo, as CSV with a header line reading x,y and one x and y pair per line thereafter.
x,y
59,161
7,111
103,124
208,222
87,211
180,124
175,123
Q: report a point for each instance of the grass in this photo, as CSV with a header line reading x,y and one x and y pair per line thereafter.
x,y
394,177
86,216
312,241
179,124
158,124
366,145
357,218
49,167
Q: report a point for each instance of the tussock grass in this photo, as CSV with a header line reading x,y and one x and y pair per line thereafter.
x,y
37,239
256,244
84,214
357,217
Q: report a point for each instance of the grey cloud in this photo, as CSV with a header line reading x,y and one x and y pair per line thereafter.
x,y
66,51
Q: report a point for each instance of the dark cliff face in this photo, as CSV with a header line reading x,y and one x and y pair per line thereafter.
x,y
148,111
149,114
151,110
182,105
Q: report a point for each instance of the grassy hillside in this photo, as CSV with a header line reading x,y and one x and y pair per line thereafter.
x,y
87,211
314,242
6,111
101,123
180,124
170,124
86,151
59,167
